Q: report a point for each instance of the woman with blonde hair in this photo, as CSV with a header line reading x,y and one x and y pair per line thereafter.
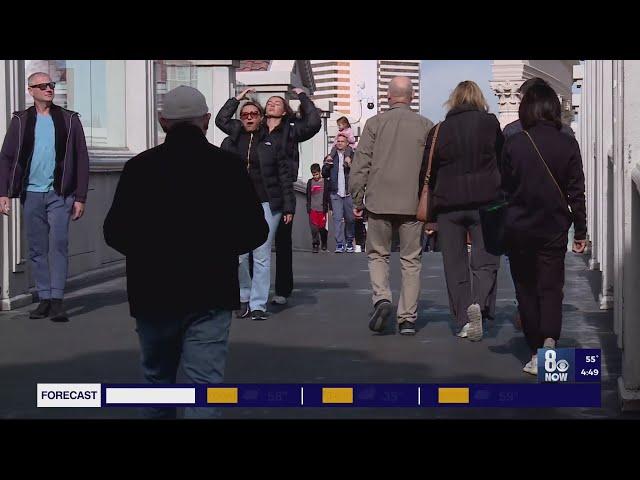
x,y
465,177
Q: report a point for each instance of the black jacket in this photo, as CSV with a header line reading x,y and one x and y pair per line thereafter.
x,y
464,173
325,195
274,167
71,173
182,213
516,127
331,173
536,207
294,130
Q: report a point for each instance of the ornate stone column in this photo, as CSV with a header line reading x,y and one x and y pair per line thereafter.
x,y
508,100
508,75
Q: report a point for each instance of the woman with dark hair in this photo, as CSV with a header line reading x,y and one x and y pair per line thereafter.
x,y
270,176
464,177
284,130
543,178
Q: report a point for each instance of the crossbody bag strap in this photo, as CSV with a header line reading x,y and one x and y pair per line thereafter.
x,y
431,151
546,166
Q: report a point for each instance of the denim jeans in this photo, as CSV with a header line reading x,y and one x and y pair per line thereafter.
x,y
256,290
46,218
342,209
200,339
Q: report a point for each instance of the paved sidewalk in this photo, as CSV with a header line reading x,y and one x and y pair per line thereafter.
x,y
321,336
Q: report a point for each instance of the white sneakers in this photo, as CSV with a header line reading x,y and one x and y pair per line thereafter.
x,y
464,332
473,328
474,314
532,366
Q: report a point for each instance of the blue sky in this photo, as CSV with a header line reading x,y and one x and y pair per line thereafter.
x,y
439,78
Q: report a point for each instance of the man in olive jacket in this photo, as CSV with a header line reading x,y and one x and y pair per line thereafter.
x,y
383,179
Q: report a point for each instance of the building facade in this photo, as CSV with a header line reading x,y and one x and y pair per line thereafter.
x,y
608,107
387,69
358,89
508,75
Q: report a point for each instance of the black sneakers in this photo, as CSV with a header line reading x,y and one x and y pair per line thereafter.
x,y
42,311
258,315
244,311
378,320
407,328
315,249
57,312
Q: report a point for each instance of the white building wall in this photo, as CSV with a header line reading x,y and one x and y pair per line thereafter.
x,y
630,381
610,142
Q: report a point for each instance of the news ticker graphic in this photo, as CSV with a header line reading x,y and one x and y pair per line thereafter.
x,y
569,365
311,395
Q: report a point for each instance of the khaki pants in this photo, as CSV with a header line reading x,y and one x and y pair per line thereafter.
x,y
379,236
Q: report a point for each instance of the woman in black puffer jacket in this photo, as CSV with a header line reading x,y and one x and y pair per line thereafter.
x,y
271,178
285,130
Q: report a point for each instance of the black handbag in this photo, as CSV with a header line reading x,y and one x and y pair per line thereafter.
x,y
492,220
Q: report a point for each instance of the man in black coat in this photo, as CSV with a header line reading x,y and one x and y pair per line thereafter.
x,y
170,217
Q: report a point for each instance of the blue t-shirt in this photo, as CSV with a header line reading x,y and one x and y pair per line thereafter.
x,y
43,161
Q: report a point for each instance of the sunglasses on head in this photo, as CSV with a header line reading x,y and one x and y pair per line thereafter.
x,y
249,114
43,86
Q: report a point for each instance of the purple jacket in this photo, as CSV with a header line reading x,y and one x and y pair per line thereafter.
x,y
71,173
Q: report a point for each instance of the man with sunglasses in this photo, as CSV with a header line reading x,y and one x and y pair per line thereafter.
x,y
44,162
270,176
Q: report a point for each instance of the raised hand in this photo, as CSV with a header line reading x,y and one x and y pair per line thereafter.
x,y
243,93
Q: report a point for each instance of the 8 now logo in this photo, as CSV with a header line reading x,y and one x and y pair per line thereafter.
x,y
557,365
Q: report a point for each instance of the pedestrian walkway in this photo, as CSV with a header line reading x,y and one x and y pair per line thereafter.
x,y
321,336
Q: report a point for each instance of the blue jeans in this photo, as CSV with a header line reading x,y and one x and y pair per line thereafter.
x,y
256,291
200,339
47,213
342,209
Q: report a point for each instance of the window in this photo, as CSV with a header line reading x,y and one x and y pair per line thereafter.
x,y
93,88
170,74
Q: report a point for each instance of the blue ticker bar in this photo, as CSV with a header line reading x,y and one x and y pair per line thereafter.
x,y
540,395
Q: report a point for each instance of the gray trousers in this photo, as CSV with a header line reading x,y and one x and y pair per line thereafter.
x,y
452,232
379,236
46,218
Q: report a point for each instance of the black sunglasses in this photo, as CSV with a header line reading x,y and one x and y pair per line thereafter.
x,y
43,86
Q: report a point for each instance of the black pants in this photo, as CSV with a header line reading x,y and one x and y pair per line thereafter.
x,y
452,239
284,259
360,232
318,235
537,269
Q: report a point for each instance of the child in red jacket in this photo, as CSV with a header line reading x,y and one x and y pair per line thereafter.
x,y
317,207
